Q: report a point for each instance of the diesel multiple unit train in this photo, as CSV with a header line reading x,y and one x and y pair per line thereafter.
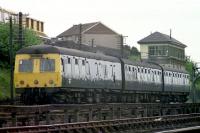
x,y
51,74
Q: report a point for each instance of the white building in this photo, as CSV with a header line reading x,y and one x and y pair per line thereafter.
x,y
5,14
92,34
163,49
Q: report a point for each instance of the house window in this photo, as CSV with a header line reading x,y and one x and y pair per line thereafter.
x,y
32,23
38,24
27,22
42,27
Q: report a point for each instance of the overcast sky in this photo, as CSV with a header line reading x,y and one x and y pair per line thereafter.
x,y
133,18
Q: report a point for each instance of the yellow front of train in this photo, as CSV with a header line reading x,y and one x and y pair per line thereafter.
x,y
37,71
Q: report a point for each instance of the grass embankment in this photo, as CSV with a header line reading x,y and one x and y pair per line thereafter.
x,y
4,83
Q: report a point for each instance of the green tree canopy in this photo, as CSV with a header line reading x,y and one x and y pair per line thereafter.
x,y
30,39
131,53
189,68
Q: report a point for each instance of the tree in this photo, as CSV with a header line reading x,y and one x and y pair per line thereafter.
x,y
30,39
132,53
189,68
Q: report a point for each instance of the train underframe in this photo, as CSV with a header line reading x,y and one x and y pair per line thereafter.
x,y
87,96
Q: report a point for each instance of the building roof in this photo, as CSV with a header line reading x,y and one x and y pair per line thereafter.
x,y
158,37
89,28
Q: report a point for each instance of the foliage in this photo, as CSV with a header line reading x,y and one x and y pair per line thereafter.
x,y
189,68
4,83
131,53
30,39
134,58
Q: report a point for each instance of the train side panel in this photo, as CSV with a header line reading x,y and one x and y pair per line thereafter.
x,y
139,78
79,72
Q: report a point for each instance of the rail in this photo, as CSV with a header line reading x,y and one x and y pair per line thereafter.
x,y
131,124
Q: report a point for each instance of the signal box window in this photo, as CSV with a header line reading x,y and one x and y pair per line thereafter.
x,y
47,65
26,65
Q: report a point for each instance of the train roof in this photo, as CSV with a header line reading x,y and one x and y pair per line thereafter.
x,y
151,65
46,49
142,64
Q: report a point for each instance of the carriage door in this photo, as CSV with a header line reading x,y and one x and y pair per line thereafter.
x,y
82,68
87,69
113,73
68,67
76,68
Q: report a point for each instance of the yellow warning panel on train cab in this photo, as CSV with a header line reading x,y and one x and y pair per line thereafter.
x,y
37,71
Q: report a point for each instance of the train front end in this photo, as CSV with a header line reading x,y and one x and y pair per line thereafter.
x,y
36,73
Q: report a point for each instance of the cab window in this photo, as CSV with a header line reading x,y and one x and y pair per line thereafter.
x,y
47,65
26,65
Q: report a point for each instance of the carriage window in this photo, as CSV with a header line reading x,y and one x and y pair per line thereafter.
x,y
47,65
68,60
83,62
129,68
149,71
145,71
76,61
133,69
138,69
106,71
26,65
126,68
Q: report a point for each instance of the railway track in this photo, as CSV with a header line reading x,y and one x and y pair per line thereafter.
x,y
145,124
15,115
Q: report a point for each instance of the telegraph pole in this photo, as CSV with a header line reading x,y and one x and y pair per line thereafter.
x,y
11,60
80,36
20,36
122,46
